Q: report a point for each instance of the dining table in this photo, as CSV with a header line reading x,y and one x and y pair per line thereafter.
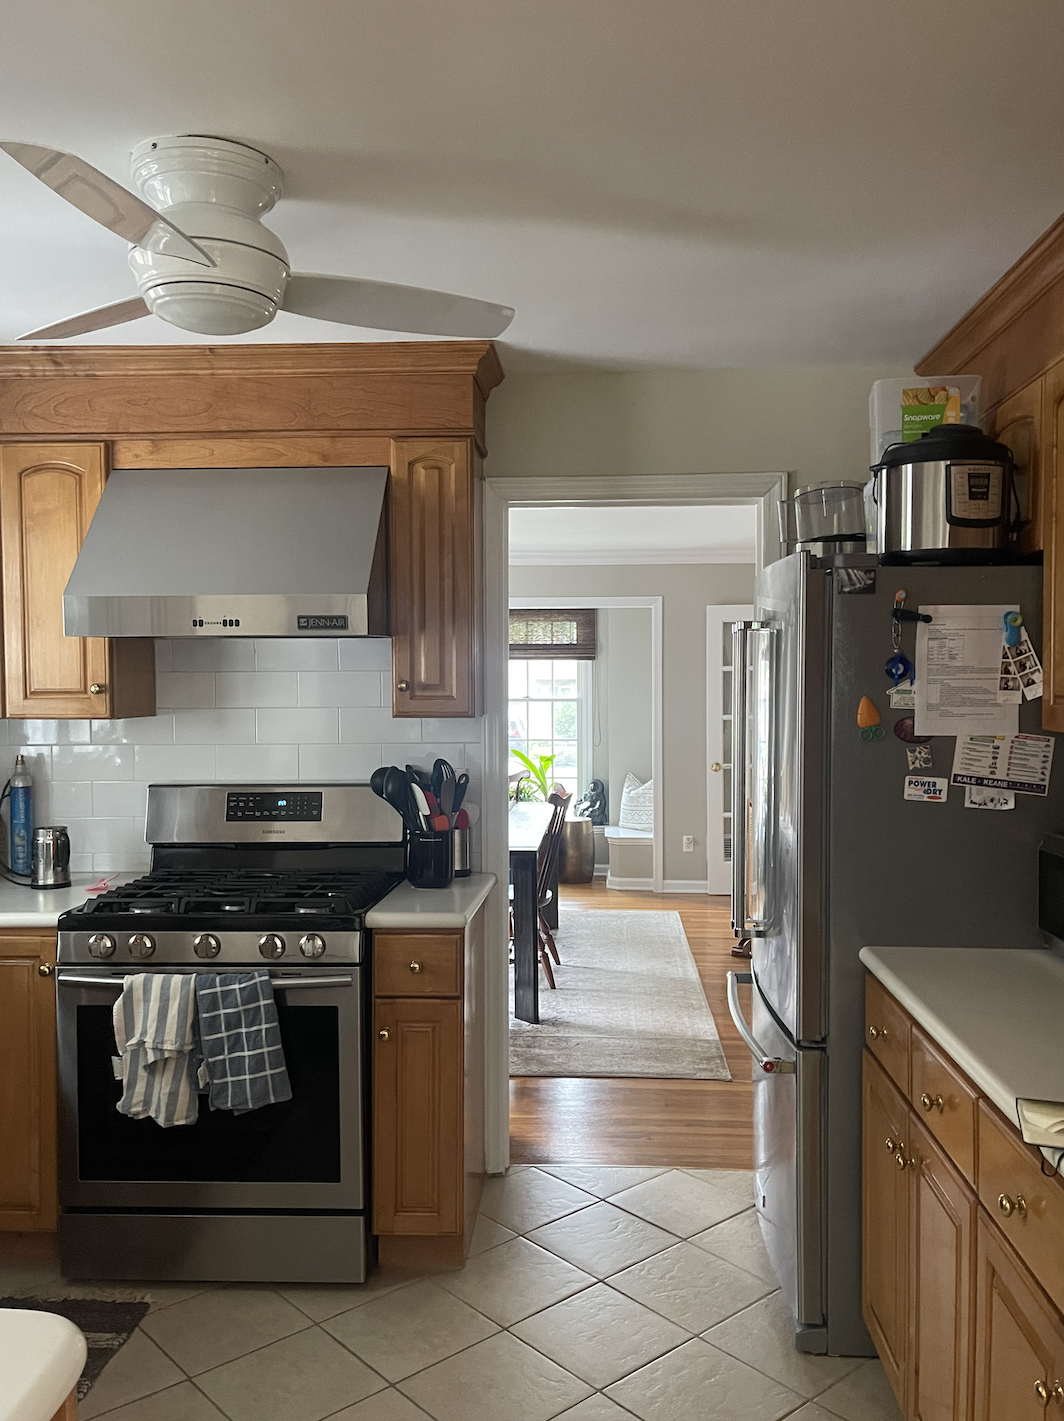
x,y
528,825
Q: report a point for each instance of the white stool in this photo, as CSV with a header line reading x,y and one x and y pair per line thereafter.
x,y
41,1358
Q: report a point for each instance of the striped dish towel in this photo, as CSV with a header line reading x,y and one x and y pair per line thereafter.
x,y
241,1040
155,1032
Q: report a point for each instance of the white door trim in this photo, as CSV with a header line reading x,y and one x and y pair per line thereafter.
x,y
498,496
716,615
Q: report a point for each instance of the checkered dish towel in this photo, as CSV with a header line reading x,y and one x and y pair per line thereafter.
x,y
155,1032
241,1041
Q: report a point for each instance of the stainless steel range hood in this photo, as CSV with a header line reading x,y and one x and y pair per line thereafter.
x,y
233,552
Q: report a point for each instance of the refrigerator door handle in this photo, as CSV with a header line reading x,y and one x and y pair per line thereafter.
x,y
771,1065
740,692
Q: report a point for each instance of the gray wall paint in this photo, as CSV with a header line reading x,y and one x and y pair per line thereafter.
x,y
686,590
628,698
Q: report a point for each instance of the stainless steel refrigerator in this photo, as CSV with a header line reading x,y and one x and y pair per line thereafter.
x,y
832,858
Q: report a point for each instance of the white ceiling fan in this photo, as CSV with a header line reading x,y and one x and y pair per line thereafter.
x,y
204,261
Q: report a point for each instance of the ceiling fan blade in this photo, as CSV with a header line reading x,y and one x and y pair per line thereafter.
x,y
104,200
99,320
383,306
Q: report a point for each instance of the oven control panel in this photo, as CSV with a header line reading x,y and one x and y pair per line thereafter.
x,y
302,806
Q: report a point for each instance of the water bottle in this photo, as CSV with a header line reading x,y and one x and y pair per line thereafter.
x,y
21,817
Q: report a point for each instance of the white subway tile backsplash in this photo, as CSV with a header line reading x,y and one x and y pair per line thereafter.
x,y
258,763
97,835
306,726
51,732
72,799
290,654
120,799
182,763
164,656
81,863
360,724
175,689
452,731
338,762
93,762
213,654
365,653
339,688
145,730
255,688
136,859
459,757
214,727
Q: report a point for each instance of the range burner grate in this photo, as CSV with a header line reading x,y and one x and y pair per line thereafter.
x,y
244,893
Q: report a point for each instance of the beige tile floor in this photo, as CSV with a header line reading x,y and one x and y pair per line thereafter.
x,y
592,1294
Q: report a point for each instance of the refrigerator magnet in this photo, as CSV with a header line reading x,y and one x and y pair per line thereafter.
x,y
928,788
919,757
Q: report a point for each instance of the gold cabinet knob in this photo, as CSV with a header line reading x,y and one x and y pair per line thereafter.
x,y
891,1145
97,688
715,767
1041,1391
402,685
932,1102
415,966
1006,1205
44,969
1021,1206
877,1033
1058,1393
899,1159
384,1034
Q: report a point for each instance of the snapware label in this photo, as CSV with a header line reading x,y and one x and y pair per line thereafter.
x,y
928,788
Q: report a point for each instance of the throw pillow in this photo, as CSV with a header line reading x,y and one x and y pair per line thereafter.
x,y
637,804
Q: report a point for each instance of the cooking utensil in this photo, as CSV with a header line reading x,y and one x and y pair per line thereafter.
x,y
461,784
421,802
419,777
447,798
397,794
461,820
376,781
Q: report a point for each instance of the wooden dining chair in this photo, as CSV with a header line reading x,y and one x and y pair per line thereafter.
x,y
547,864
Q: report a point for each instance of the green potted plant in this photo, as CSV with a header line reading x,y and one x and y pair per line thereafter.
x,y
535,784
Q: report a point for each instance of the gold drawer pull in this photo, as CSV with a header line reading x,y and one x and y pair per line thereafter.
x,y
892,1145
932,1104
97,688
1009,1206
877,1033
415,966
1041,1391
384,1034
899,1158
1058,1393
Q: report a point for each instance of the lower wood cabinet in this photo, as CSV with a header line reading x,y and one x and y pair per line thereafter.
x,y
886,1222
27,1082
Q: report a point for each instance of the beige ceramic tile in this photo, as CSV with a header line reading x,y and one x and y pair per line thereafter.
x,y
501,1379
410,1329
326,1300
763,1337
864,1395
690,1287
300,1378
390,1405
596,1408
602,1179
138,1369
514,1280
739,1241
603,1239
486,1234
218,1326
178,1403
695,1382
164,1295
739,1182
600,1335
812,1411
529,1198
679,1203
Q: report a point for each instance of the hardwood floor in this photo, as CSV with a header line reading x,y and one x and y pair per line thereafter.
x,y
690,1124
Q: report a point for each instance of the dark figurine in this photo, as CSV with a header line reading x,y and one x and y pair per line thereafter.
x,y
593,806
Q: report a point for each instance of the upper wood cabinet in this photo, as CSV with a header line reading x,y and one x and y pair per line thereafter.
x,y
434,578
48,494
1018,422
27,1082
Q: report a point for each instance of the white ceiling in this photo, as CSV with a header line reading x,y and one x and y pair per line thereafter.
x,y
650,182
614,535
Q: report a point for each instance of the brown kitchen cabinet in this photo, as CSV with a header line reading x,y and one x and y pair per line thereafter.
x,y
48,494
427,1093
1019,1360
27,1082
885,1189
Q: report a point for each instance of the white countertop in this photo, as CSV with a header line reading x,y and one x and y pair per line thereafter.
x,y
452,907
40,907
999,1012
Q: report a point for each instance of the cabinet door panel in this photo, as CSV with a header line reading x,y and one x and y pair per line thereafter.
x,y
434,602
943,1237
1053,543
1018,423
417,1117
27,1084
885,1187
1018,1335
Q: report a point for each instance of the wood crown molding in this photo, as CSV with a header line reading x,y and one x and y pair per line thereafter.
x,y
1040,267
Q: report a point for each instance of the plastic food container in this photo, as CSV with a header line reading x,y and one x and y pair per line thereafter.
x,y
900,411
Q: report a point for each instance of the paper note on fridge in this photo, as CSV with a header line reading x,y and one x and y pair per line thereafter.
x,y
1022,763
958,672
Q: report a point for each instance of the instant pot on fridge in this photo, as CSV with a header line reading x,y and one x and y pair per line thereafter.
x,y
946,497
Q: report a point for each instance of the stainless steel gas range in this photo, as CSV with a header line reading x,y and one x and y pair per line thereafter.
x,y
242,877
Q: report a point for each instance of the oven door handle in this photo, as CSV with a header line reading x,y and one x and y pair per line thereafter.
x,y
70,979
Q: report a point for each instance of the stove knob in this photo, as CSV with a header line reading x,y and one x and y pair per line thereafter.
x,y
270,945
312,945
100,945
206,945
141,945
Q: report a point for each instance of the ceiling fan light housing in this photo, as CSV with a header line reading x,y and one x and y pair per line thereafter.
x,y
199,168
210,308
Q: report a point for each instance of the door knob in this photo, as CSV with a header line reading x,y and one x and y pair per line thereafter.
x,y
715,767
384,1034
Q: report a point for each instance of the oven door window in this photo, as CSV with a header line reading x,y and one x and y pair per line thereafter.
x,y
295,1141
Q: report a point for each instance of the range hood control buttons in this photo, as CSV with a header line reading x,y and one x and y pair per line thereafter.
x,y
312,945
270,945
206,945
100,945
141,945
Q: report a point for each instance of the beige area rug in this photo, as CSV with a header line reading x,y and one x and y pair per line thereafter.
x,y
629,1003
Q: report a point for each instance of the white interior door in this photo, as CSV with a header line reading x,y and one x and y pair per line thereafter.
x,y
718,741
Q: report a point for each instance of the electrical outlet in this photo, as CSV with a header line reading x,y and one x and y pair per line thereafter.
x,y
688,843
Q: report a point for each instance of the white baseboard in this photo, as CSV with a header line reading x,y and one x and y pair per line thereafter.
x,y
637,885
685,885
601,870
